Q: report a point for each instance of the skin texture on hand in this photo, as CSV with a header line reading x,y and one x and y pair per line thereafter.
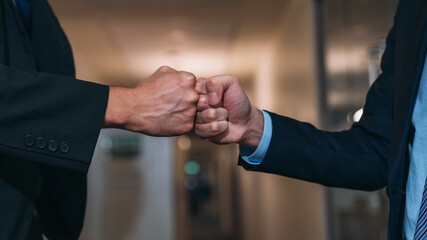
x,y
225,114
162,105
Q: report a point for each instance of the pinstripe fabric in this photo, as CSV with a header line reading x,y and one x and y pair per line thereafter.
x,y
421,228
417,174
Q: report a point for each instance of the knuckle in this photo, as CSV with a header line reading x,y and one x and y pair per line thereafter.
x,y
203,101
188,77
165,68
192,96
214,127
212,113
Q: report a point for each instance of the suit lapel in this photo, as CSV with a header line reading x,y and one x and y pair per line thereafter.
x,y
19,49
408,76
49,43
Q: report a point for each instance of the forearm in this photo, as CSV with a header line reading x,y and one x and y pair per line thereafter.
x,y
117,112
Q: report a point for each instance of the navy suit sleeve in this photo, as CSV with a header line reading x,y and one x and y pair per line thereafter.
x,y
50,118
355,158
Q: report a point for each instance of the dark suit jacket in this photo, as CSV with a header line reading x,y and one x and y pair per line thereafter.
x,y
373,153
49,125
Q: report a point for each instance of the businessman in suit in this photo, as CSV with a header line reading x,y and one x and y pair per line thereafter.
x,y
50,121
386,148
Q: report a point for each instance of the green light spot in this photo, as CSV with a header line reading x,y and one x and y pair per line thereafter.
x,y
192,168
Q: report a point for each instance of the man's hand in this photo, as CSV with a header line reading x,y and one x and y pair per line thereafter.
x,y
225,114
162,105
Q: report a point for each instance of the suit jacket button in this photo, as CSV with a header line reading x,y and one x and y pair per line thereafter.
x,y
41,143
29,141
64,147
52,146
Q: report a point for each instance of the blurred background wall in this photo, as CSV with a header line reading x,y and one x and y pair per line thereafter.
x,y
307,59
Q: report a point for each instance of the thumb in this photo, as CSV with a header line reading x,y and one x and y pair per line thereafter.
x,y
215,92
216,87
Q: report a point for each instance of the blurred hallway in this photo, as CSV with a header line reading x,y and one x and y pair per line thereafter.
x,y
185,189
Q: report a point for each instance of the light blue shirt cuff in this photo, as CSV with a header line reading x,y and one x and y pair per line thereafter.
x,y
256,157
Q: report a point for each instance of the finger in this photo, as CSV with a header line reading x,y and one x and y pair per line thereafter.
x,y
202,104
215,92
191,96
208,130
201,86
212,115
217,86
166,69
188,80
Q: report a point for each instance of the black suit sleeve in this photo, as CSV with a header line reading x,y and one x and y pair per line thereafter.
x,y
50,118
356,158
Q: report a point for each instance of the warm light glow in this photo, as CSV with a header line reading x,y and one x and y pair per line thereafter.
x,y
203,63
184,143
358,115
342,60
264,79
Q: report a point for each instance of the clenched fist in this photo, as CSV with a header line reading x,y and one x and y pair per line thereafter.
x,y
225,114
162,105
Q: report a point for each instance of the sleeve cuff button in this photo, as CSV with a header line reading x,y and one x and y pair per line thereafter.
x,y
29,141
64,147
41,143
52,146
